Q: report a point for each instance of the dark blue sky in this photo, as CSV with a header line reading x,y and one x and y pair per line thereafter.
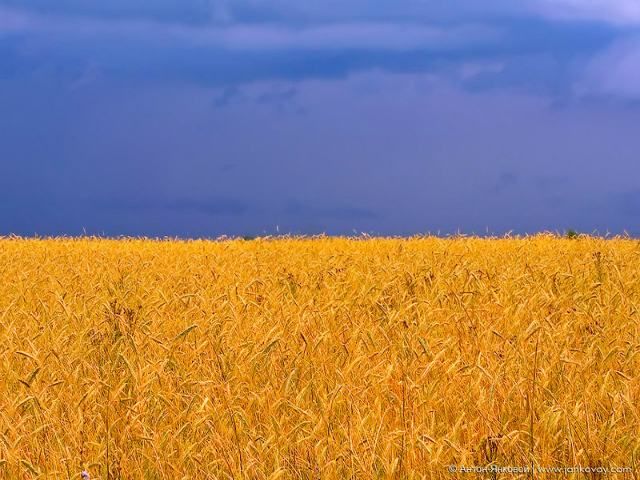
x,y
245,117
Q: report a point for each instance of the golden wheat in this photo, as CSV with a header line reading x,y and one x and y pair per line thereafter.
x,y
316,358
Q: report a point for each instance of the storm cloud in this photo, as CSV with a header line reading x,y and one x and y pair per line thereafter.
x,y
203,118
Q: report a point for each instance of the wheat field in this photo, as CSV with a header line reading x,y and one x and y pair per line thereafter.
x,y
310,358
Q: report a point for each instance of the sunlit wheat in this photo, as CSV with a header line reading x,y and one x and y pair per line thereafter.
x,y
316,358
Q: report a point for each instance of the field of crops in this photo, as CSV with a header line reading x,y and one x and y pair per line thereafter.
x,y
317,358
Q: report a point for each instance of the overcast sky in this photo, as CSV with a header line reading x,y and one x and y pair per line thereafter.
x,y
200,118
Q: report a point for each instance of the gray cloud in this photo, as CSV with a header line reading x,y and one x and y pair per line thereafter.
x,y
200,12
621,12
282,99
185,11
256,37
614,72
177,116
291,11
537,56
228,96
